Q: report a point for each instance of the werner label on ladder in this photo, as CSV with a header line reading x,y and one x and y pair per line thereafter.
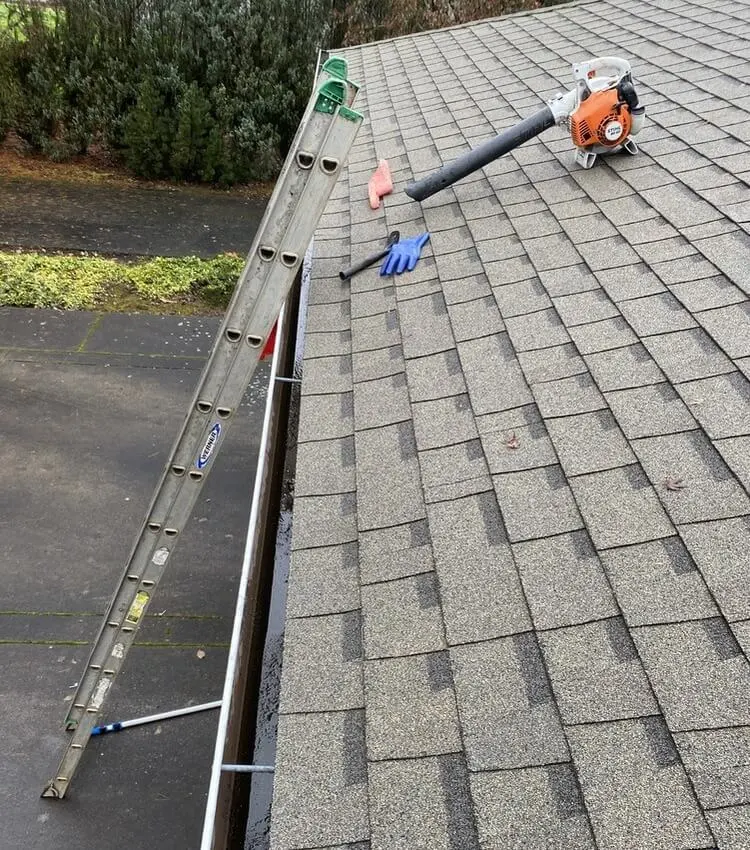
x,y
318,153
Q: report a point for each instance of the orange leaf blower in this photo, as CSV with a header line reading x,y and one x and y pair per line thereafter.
x,y
602,113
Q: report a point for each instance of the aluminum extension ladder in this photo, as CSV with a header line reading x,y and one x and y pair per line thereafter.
x,y
325,135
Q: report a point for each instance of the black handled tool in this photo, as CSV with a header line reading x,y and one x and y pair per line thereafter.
x,y
393,237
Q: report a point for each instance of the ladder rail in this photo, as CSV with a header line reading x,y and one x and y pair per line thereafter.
x,y
157,535
250,317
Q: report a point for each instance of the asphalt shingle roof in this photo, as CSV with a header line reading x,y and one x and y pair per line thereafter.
x,y
505,629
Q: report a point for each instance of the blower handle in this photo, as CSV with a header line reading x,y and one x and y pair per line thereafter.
x,y
482,155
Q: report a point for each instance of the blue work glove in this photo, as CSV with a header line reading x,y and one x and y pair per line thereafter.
x,y
403,255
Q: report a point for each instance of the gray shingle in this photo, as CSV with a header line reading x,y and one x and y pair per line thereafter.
x,y
653,230
374,301
328,290
649,411
621,368
373,332
506,248
720,404
521,447
658,582
680,205
709,490
443,422
328,317
718,763
466,289
731,827
589,442
388,486
648,177
402,617
563,580
436,376
698,671
583,307
472,319
505,421
326,417
446,217
611,253
551,364
322,664
536,503
454,471
324,375
510,271
395,552
508,715
421,803
324,520
688,355
551,252
566,281
516,299
537,330
588,228
325,468
635,789
538,808
301,789
654,253
692,267
411,707
381,402
722,551
568,396
602,336
492,373
479,585
324,580
656,314
425,326
596,673
631,281
531,226
708,292
620,507
629,209
457,265
730,327
559,191
729,252
736,454
371,365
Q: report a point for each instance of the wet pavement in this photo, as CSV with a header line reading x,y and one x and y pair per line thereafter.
x,y
123,220
89,407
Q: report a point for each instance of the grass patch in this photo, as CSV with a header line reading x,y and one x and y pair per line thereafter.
x,y
166,285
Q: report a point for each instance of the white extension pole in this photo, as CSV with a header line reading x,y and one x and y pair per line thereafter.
x,y
153,718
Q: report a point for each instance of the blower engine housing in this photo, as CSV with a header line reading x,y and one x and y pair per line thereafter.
x,y
602,119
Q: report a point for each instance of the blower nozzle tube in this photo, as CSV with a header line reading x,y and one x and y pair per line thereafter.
x,y
485,153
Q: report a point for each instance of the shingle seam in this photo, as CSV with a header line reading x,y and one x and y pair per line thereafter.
x,y
727,806
320,616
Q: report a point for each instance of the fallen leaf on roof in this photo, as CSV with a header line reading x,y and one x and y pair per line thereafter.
x,y
673,483
512,441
